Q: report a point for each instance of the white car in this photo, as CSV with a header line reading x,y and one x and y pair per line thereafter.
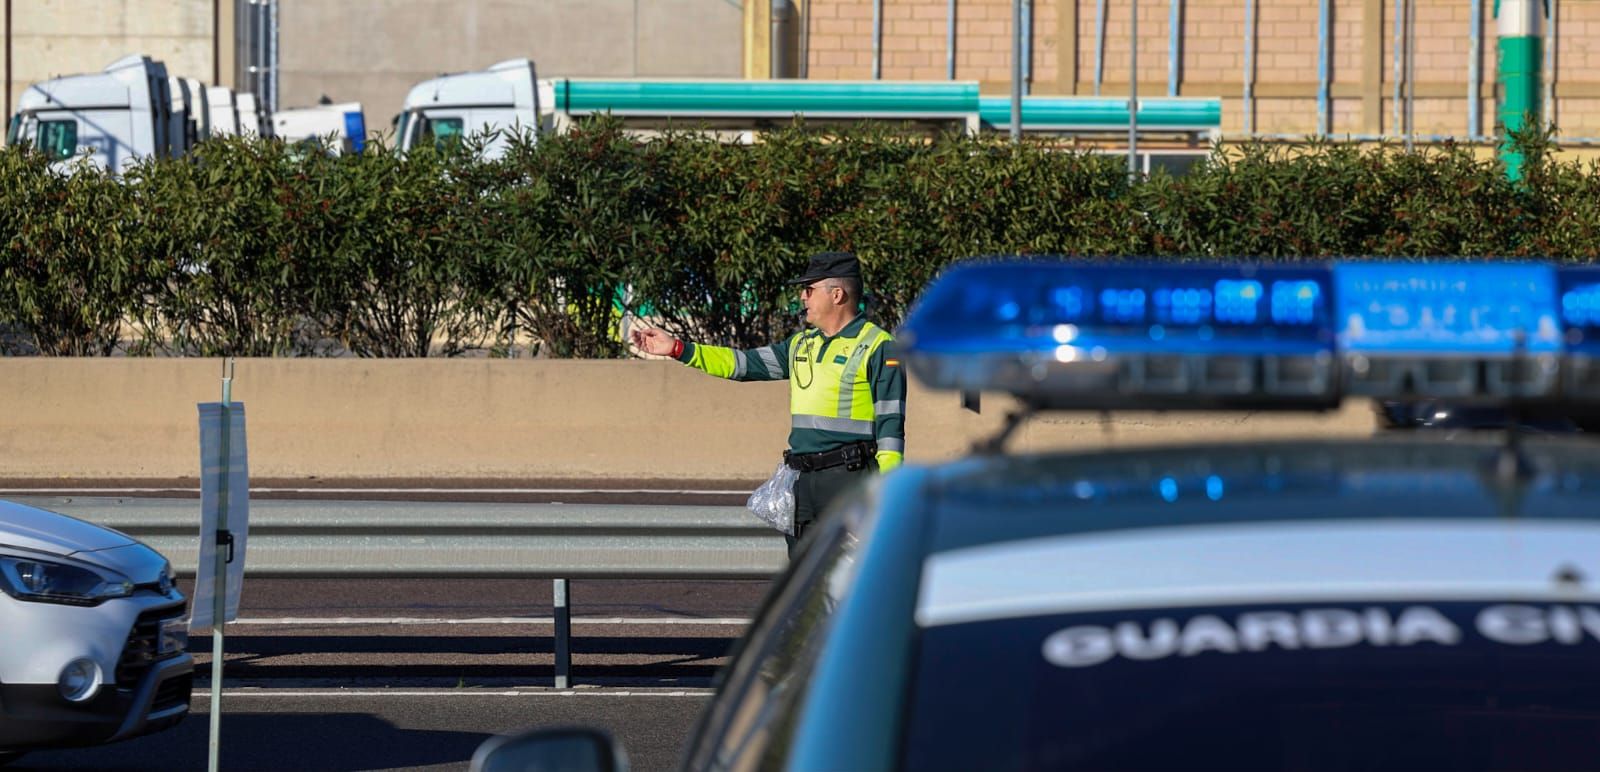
x,y
93,635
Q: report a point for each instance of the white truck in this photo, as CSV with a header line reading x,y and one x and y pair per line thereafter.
x,y
132,109
503,100
115,116
346,123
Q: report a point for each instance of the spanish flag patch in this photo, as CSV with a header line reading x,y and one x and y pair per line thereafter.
x,y
891,362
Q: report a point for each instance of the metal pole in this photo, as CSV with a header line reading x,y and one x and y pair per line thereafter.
x,y
1027,46
219,600
1475,70
1323,54
1521,47
1016,71
950,39
8,58
1411,75
1399,59
1174,45
1133,91
804,54
272,51
781,14
1249,66
1099,45
1552,40
877,39
563,636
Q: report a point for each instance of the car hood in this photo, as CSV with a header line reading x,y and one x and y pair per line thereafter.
x,y
40,530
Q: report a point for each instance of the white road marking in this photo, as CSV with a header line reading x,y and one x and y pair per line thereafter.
x,y
571,491
326,621
458,692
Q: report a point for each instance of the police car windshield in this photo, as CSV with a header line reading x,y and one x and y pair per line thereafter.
x,y
1405,686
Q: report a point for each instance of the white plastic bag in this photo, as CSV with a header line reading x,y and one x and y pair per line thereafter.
x,y
773,502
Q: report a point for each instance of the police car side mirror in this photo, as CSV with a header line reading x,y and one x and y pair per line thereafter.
x,y
551,750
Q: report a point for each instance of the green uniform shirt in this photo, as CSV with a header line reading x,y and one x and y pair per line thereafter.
x,y
842,389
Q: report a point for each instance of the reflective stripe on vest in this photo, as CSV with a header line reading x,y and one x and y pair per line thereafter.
x,y
831,394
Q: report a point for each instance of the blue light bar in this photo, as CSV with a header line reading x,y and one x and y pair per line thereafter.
x,y
1094,336
1448,329
1102,336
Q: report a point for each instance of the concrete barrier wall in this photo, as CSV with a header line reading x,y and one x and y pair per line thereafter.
x,y
495,418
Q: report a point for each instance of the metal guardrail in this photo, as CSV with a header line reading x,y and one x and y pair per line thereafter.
x,y
425,539
352,539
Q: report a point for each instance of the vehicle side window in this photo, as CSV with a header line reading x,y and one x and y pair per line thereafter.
x,y
58,139
752,720
441,132
11,130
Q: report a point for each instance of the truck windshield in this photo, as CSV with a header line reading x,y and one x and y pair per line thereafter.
x,y
1427,685
58,139
441,132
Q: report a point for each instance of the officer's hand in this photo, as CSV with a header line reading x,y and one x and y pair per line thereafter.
x,y
653,341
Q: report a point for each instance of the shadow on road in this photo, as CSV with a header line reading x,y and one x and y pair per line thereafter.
x,y
307,742
643,661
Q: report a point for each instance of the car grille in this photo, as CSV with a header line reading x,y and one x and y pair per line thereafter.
x,y
173,691
139,653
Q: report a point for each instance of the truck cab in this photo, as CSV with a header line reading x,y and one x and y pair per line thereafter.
x,y
503,100
111,117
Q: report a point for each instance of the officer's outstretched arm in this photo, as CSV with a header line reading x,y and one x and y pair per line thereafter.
x,y
768,363
888,381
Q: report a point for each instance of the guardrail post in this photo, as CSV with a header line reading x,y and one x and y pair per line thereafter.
x,y
563,636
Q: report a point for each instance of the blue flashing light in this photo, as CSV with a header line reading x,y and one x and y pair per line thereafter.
x,y
1042,306
1214,488
1295,302
1445,309
1580,306
1238,301
1168,488
1580,309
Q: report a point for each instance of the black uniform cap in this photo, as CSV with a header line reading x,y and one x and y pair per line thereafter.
x,y
830,265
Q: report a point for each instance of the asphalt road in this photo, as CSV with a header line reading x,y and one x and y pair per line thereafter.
x,y
461,632
378,729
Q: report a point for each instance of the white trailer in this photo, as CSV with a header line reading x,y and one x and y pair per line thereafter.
x,y
346,123
252,120
503,100
113,117
222,111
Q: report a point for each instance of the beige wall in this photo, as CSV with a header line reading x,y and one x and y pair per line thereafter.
x,y
479,418
373,51
50,38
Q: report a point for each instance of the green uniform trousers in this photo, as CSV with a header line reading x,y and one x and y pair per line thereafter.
x,y
815,491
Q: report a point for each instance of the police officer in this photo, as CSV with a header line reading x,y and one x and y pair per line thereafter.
x,y
846,389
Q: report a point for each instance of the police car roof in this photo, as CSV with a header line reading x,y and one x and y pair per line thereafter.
x,y
982,500
1308,520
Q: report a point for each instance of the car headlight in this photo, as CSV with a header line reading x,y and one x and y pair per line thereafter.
x,y
46,582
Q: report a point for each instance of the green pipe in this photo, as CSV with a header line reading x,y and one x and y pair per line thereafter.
x,y
1521,49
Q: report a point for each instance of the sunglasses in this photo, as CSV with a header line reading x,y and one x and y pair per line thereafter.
x,y
806,291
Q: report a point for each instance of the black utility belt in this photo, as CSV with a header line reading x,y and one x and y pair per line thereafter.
x,y
855,456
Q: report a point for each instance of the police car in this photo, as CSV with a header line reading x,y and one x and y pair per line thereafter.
x,y
92,635
1406,602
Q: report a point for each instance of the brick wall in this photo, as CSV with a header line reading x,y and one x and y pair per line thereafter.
x,y
1213,56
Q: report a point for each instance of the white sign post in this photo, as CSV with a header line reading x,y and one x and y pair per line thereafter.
x,y
224,525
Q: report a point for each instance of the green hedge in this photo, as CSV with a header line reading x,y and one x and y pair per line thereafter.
x,y
255,248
